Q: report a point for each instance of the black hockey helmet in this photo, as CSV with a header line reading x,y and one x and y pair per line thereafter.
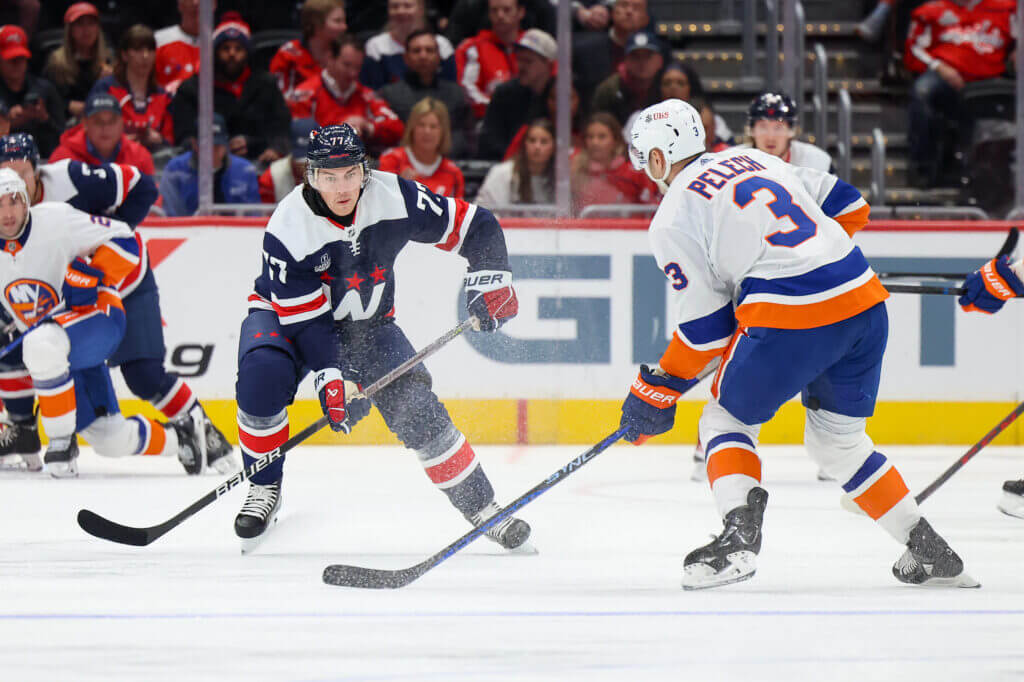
x,y
773,106
19,146
335,146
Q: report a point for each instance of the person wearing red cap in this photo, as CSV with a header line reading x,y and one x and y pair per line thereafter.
x,y
33,102
252,106
177,47
101,138
81,60
298,60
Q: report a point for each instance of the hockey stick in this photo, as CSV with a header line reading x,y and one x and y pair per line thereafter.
x,y
379,578
105,529
924,289
56,310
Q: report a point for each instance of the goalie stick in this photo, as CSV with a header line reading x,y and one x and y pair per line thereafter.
x,y
105,529
379,578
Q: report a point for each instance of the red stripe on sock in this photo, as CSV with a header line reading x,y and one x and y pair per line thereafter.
x,y
177,404
262,444
453,466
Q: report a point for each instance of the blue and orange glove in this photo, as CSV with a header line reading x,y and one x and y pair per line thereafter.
x,y
491,298
342,414
650,407
991,286
80,285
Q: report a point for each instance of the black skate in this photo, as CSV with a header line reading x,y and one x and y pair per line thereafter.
x,y
190,448
700,465
511,533
1012,501
62,457
20,446
218,449
259,511
929,560
732,556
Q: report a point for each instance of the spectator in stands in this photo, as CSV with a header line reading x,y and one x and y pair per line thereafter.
x,y
469,17
24,13
384,61
712,142
590,15
255,111
773,123
101,138
336,96
950,44
425,144
596,55
635,85
521,99
284,175
81,60
34,105
177,48
526,178
144,104
422,79
488,59
575,121
235,180
298,60
601,172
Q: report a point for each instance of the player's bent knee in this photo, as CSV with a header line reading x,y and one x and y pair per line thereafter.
x,y
112,436
838,443
716,420
45,351
266,381
146,377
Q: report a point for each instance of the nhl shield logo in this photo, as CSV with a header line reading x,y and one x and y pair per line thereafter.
x,y
30,299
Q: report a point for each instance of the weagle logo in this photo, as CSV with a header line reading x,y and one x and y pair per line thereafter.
x,y
30,299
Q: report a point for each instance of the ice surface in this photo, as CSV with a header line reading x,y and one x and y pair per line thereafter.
x,y
600,602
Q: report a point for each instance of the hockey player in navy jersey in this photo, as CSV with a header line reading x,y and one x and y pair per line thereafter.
x,y
324,302
124,193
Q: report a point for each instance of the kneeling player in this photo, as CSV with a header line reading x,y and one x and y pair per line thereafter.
x,y
987,290
766,276
325,303
55,255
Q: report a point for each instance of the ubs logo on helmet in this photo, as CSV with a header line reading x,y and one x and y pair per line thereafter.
x,y
30,299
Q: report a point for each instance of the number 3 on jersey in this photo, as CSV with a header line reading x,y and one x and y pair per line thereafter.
x,y
675,273
781,206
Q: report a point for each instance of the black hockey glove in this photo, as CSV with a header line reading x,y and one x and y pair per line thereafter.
x,y
491,298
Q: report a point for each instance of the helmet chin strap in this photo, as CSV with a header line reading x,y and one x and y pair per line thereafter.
x,y
660,182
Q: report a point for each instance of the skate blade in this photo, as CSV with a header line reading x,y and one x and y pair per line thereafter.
x,y
1011,505
700,471
225,465
250,545
822,476
742,566
847,503
525,549
63,469
27,463
963,580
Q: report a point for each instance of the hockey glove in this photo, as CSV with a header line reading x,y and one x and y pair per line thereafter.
x,y
991,286
650,407
491,298
80,282
331,388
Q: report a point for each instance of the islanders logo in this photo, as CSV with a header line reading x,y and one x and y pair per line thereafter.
x,y
30,299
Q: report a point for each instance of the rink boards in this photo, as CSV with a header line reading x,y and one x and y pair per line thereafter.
x,y
593,306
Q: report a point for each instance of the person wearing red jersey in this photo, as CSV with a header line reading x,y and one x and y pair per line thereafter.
x,y
950,43
284,175
177,48
426,142
101,138
143,103
488,59
601,172
336,96
298,60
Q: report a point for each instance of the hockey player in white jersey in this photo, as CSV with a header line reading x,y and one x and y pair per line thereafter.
x,y
765,276
59,273
773,123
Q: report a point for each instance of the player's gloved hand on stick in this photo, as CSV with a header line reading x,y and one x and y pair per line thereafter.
x,y
991,286
491,298
341,413
650,407
80,282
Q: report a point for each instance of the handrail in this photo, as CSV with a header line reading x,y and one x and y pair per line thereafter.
x,y
819,100
877,167
799,60
618,209
750,39
771,44
844,136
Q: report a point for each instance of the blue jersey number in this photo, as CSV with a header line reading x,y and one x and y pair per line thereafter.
x,y
675,273
781,206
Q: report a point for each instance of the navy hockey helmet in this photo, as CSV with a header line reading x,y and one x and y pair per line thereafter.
x,y
19,146
773,106
335,146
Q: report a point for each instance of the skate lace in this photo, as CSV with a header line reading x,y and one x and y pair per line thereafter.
x,y
260,500
497,530
907,563
8,435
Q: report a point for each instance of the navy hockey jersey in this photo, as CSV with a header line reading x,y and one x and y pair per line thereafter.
x,y
317,272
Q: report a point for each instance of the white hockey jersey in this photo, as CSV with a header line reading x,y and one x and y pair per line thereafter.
x,y
32,267
748,239
802,154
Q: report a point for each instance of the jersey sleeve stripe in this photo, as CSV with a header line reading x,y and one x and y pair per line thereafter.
x,y
840,199
115,262
293,314
257,301
460,216
294,301
683,361
120,185
714,328
854,219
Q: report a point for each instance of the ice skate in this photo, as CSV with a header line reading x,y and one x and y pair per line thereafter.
x,y
218,449
511,533
1012,501
700,465
259,511
191,446
20,446
929,560
732,556
62,457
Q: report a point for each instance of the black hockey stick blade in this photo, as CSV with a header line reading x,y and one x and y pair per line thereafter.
x,y
1010,244
105,529
375,578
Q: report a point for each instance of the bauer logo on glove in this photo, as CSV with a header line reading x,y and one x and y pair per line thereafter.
x,y
491,298
991,286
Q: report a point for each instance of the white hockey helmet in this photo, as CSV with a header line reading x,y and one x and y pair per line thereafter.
x,y
12,183
674,127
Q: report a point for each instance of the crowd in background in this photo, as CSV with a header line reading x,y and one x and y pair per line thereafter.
x,y
424,83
